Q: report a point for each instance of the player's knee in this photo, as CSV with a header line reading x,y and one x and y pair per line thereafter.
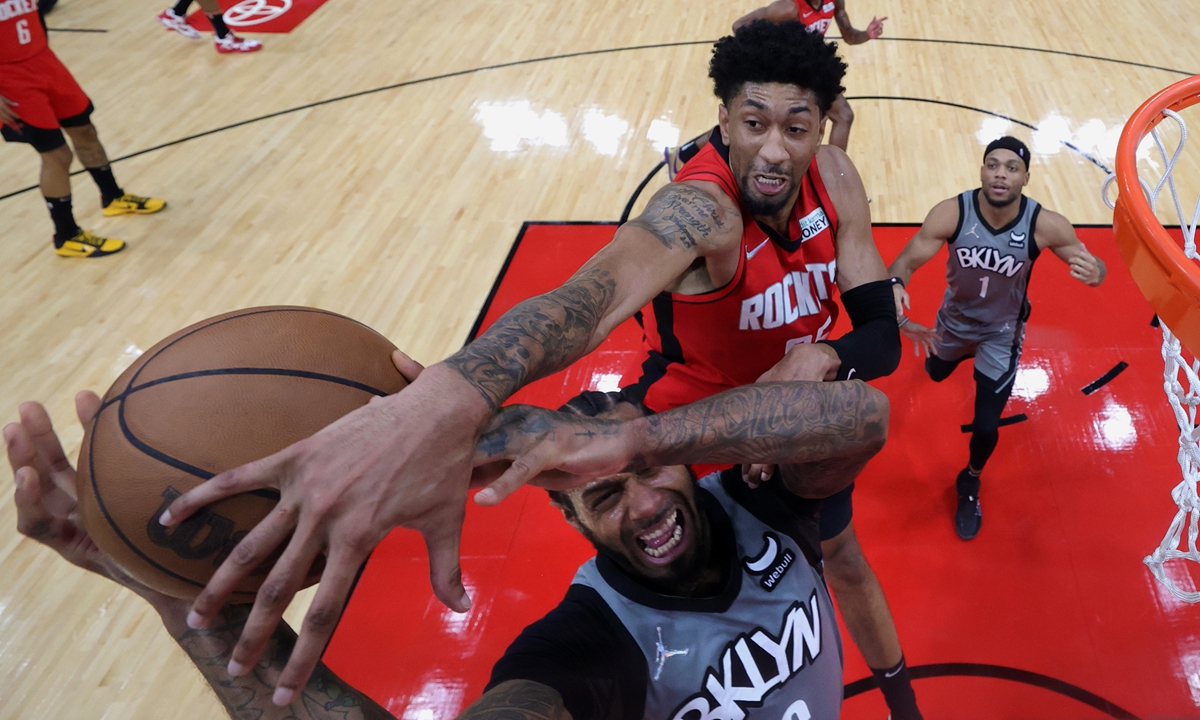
x,y
938,371
48,142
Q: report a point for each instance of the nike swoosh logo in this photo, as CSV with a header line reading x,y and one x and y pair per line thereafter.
x,y
897,671
752,253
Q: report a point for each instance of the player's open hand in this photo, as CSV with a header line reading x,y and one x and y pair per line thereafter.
x,y
45,494
7,115
555,450
923,338
1086,268
903,301
875,27
402,461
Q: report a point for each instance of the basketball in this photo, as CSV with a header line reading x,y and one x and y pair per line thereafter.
x,y
213,396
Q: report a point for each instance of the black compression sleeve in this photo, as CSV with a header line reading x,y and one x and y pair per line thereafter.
x,y
872,349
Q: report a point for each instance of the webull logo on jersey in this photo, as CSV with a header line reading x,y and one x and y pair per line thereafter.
x,y
990,259
760,663
12,8
797,295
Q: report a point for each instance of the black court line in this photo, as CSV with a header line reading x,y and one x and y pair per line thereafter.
x,y
584,53
78,30
999,672
1106,378
1010,420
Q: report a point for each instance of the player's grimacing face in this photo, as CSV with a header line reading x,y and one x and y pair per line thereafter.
x,y
1003,176
772,130
648,518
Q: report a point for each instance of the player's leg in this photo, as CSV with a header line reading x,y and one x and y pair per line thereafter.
x,y
864,608
90,152
841,117
175,19
55,183
676,157
224,38
995,374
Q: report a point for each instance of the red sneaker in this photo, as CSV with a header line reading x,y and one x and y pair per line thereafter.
x,y
233,44
171,21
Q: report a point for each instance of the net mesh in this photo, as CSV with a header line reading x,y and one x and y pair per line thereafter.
x,y
1181,381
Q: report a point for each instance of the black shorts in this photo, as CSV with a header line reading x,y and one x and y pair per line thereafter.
x,y
836,512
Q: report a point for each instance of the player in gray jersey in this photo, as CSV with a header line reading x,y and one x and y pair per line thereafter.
x,y
704,600
995,233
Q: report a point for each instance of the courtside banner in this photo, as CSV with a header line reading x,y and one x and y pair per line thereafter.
x,y
259,16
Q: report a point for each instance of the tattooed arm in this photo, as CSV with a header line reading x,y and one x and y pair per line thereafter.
x,y
682,223
518,700
821,434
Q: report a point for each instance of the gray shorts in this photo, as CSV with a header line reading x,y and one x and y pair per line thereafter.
x,y
996,353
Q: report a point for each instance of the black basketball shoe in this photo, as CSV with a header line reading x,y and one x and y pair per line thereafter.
x,y
968,518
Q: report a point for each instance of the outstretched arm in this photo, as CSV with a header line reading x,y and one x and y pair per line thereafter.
x,y
777,12
936,231
851,36
405,460
1055,233
784,423
545,334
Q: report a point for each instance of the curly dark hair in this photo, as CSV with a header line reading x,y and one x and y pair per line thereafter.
x,y
767,52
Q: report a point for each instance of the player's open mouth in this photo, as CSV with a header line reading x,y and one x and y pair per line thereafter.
x,y
768,185
999,189
660,541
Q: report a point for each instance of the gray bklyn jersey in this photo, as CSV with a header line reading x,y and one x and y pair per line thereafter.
x,y
773,653
987,272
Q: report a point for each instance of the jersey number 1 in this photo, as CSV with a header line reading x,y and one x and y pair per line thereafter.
x,y
23,35
983,290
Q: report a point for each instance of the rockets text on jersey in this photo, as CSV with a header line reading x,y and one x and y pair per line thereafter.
x,y
817,21
21,33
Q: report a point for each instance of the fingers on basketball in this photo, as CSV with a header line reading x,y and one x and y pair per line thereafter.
x,y
246,556
252,476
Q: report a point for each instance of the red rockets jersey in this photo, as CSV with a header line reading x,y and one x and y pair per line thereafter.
x,y
21,32
695,346
815,20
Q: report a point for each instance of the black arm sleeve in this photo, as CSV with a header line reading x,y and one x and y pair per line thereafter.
x,y
583,651
872,349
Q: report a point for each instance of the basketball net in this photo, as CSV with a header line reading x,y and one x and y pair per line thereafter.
x,y
1181,381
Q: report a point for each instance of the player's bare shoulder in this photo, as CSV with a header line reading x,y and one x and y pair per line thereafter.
x,y
1053,230
692,215
842,181
942,219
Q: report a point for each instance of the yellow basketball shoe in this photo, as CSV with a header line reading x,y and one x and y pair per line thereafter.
x,y
87,245
137,204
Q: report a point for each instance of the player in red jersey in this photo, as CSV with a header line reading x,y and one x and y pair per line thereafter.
x,y
38,100
175,18
406,460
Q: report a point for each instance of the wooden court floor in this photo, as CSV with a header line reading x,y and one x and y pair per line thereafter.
x,y
448,124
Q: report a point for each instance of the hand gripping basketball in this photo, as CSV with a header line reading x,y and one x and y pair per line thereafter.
x,y
400,461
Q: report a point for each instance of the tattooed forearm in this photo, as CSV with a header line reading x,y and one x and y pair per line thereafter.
x,y
248,697
684,216
518,700
780,423
537,337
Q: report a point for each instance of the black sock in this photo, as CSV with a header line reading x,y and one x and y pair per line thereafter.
x,y
64,220
181,7
219,26
896,686
109,190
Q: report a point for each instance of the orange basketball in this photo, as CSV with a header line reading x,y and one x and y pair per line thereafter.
x,y
221,393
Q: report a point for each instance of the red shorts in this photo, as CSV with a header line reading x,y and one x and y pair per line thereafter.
x,y
42,90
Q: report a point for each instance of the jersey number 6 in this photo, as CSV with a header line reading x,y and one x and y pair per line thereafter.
x,y
23,34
